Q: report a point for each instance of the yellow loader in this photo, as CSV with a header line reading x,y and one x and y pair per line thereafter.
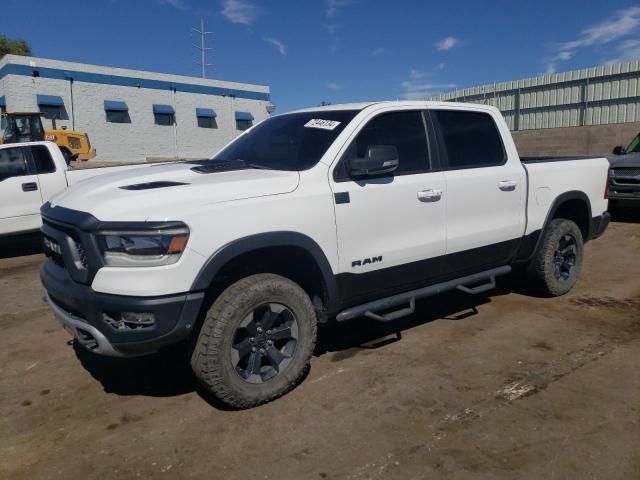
x,y
27,127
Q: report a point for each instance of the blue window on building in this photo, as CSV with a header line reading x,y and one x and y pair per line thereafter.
x,y
206,118
164,114
244,120
52,107
116,111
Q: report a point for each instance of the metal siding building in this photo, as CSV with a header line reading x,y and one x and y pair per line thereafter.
x,y
83,95
592,96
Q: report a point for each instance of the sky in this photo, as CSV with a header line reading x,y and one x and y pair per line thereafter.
x,y
313,51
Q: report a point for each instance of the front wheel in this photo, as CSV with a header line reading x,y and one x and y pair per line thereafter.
x,y
256,341
556,265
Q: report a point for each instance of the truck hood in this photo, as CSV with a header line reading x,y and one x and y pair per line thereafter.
x,y
159,192
628,160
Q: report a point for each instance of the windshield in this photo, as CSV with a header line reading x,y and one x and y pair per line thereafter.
x,y
293,142
634,146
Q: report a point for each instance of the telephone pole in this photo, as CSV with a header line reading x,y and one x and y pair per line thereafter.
x,y
202,47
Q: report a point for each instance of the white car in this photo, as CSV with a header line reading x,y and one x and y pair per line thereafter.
x,y
30,174
320,214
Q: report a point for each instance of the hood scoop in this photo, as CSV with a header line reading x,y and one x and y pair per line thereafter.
x,y
152,185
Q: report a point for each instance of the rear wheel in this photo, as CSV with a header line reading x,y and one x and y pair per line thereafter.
x,y
555,268
256,341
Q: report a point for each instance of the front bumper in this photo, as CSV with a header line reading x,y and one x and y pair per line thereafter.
x,y
83,312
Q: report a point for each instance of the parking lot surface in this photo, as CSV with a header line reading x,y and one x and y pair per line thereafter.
x,y
499,386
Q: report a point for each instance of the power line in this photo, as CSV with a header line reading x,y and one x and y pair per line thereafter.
x,y
202,47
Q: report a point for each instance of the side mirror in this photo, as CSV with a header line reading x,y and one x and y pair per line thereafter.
x,y
619,150
378,160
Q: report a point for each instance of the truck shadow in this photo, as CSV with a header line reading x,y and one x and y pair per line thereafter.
x,y
20,245
346,339
625,215
168,373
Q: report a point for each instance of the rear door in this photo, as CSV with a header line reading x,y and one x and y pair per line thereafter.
x,y
486,191
50,180
391,229
20,198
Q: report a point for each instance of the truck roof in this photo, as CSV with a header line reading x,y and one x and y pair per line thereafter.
x,y
390,103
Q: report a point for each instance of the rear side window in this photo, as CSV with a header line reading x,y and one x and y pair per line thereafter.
x,y
12,163
403,130
42,159
471,139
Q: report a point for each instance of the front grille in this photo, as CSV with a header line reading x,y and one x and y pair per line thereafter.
x,y
82,254
626,176
72,251
50,253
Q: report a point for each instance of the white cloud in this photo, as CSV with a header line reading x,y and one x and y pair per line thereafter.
x,y
621,24
414,90
561,56
334,86
377,52
627,51
333,6
240,11
447,43
415,74
440,66
564,56
282,48
179,4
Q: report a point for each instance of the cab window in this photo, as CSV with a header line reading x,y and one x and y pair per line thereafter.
x,y
404,130
12,163
42,159
471,139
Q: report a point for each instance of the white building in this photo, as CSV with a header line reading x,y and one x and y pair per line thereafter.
x,y
132,115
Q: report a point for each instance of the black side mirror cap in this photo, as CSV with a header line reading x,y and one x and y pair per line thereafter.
x,y
380,159
619,150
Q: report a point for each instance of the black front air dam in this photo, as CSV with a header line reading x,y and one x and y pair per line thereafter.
x,y
175,315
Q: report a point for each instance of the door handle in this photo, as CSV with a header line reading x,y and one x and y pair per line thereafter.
x,y
431,195
29,187
507,185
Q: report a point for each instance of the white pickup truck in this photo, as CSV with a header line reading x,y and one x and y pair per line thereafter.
x,y
322,214
30,174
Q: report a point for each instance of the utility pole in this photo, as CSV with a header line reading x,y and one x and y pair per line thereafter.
x,y
202,47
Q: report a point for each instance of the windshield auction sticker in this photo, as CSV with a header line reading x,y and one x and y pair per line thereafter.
x,y
323,124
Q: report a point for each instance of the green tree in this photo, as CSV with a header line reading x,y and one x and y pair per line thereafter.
x,y
15,47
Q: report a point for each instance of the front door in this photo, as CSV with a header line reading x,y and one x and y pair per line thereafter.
x,y
391,229
20,198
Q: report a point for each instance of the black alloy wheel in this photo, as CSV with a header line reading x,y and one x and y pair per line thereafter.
x,y
564,258
264,343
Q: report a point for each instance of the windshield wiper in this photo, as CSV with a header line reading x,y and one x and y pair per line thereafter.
x,y
219,165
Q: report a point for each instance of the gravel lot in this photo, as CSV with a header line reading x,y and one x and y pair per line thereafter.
x,y
498,386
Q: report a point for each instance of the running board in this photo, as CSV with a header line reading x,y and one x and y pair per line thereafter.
x,y
369,309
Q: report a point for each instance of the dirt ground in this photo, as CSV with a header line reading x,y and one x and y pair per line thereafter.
x,y
498,386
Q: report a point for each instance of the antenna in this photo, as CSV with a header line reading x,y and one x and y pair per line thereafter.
x,y
203,49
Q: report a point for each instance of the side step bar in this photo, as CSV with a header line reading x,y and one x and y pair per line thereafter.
x,y
369,309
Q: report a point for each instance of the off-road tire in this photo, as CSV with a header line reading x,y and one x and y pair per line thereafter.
x,y
211,353
541,274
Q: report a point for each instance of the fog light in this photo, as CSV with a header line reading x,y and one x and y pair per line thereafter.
x,y
129,320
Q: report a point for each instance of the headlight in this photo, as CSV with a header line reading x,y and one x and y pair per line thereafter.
x,y
142,248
